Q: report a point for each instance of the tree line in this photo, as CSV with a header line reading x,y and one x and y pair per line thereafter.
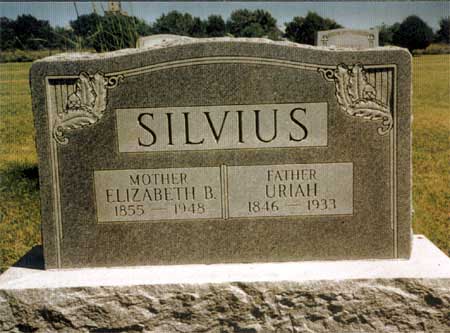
x,y
112,31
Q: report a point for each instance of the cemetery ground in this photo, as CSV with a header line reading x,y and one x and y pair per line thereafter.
x,y
19,185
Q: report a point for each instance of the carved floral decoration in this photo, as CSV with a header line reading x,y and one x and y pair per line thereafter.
x,y
357,97
85,106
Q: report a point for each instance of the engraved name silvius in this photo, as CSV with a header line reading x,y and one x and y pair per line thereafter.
x,y
145,121
222,127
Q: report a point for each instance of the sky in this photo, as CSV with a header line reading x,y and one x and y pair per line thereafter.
x,y
350,14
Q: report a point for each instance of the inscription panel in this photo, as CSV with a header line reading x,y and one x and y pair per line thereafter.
x,y
222,127
158,194
225,192
287,190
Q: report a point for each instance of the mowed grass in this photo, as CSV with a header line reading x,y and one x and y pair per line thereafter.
x,y
19,189
431,148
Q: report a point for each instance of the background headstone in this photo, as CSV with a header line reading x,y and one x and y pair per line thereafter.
x,y
352,38
149,41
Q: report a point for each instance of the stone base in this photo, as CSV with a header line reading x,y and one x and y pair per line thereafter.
x,y
346,296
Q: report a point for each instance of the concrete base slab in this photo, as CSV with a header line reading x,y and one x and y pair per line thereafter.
x,y
341,296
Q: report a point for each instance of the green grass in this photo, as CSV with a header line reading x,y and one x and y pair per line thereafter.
x,y
434,48
431,148
26,55
19,192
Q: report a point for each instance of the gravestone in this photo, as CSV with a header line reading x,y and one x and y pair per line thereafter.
x,y
223,150
351,38
152,40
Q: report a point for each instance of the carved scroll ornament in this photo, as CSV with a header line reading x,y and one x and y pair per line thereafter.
x,y
357,97
85,106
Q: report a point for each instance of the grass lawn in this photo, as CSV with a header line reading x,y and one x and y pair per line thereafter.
x,y
19,189
431,148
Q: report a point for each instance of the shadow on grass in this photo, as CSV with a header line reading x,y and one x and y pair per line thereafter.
x,y
33,259
19,177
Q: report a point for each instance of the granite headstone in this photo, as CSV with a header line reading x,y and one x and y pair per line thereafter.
x,y
223,150
352,38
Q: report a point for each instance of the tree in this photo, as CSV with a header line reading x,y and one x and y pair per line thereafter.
x,y
386,33
252,30
238,20
303,29
215,26
198,28
247,23
65,39
115,32
7,35
443,34
142,27
413,33
86,25
31,33
27,32
175,23
178,23
265,20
